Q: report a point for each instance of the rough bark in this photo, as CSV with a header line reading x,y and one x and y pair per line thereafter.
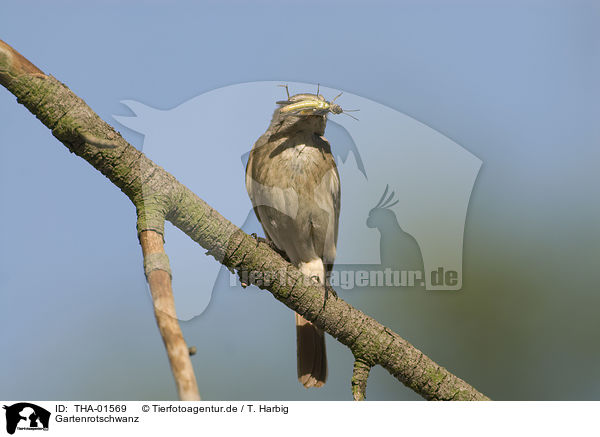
x,y
157,195
360,374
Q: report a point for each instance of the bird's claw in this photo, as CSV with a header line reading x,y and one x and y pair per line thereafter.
x,y
262,240
272,246
329,289
256,237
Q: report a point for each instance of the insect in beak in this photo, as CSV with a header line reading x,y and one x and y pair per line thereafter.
x,y
307,104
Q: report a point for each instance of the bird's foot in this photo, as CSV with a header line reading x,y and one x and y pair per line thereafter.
x,y
262,240
329,289
271,245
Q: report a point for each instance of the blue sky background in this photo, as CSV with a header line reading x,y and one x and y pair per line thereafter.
x,y
515,83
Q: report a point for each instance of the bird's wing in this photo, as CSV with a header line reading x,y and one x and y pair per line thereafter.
x,y
327,196
252,190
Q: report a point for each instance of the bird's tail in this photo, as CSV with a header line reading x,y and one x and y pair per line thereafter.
x,y
312,357
310,340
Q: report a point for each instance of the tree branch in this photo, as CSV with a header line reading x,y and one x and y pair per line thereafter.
x,y
360,374
73,123
156,266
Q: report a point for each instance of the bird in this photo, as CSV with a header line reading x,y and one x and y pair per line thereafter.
x,y
294,186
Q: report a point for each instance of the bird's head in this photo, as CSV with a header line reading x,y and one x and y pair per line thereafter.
x,y
301,112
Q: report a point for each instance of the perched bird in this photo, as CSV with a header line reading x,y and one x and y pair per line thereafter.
x,y
294,186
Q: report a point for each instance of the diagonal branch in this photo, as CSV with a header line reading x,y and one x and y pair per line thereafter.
x,y
81,130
